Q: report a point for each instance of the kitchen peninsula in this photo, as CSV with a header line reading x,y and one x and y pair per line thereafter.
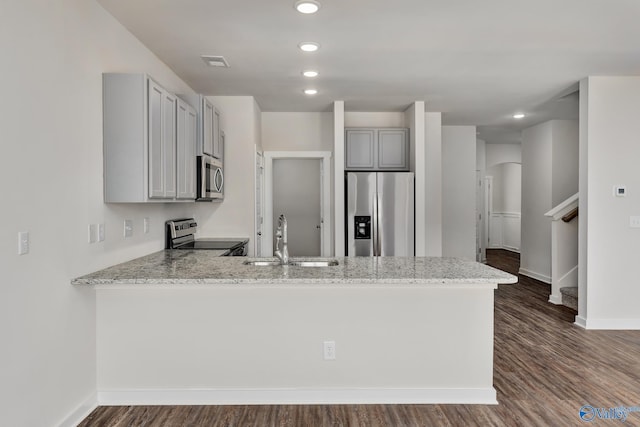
x,y
186,327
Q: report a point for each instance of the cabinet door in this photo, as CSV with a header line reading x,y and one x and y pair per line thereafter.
x,y
359,147
393,149
169,144
186,150
217,140
208,130
156,177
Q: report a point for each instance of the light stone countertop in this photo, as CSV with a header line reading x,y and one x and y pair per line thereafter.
x,y
207,267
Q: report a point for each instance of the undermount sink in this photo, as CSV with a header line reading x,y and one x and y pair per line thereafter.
x,y
294,262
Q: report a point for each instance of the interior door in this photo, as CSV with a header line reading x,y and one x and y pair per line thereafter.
x,y
297,195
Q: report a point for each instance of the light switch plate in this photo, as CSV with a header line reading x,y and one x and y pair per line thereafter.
x,y
93,233
634,221
101,232
23,242
128,227
146,225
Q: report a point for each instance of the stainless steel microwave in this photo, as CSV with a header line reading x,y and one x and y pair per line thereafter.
x,y
210,178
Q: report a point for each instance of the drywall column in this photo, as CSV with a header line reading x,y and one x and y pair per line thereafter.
x,y
459,191
338,176
549,176
535,249
433,183
481,162
583,197
235,216
414,117
611,147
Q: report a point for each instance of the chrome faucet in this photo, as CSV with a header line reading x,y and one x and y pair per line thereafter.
x,y
281,236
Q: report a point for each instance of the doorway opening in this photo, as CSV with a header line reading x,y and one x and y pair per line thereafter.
x,y
297,184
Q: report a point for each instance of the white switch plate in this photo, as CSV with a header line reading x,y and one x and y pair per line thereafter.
x,y
146,225
634,221
101,232
93,233
128,228
329,350
23,242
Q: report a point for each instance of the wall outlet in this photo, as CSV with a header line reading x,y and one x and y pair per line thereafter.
x,y
93,233
101,232
23,242
634,221
329,350
128,227
146,225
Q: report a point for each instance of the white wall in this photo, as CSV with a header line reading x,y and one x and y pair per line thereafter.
x,y
458,191
535,252
610,148
357,119
549,176
434,184
565,160
503,153
505,207
297,131
512,191
53,57
240,120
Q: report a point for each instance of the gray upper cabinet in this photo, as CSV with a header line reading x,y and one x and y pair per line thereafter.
x,y
208,138
140,141
377,149
186,125
360,149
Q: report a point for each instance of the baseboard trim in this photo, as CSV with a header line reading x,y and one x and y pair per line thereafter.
x,y
612,324
534,275
555,299
581,322
481,396
81,412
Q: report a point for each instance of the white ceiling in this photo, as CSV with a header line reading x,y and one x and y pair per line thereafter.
x,y
478,62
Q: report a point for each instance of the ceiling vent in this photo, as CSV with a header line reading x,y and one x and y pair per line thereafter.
x,y
215,61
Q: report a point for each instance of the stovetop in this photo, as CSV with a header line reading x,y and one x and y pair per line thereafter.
x,y
180,234
211,244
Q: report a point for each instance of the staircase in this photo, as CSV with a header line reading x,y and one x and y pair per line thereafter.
x,y
570,297
564,253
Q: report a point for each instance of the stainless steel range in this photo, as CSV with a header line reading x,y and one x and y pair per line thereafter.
x,y
180,234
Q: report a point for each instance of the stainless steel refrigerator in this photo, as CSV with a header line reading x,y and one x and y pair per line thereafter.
x,y
380,214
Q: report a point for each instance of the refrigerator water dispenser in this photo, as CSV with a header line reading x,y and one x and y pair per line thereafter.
x,y
362,227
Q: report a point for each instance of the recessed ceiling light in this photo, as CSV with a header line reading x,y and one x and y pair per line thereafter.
x,y
309,46
307,6
518,116
310,73
310,91
215,61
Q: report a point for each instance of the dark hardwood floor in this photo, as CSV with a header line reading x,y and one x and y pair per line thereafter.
x,y
545,370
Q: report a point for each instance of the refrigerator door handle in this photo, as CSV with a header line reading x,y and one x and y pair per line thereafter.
x,y
374,224
379,222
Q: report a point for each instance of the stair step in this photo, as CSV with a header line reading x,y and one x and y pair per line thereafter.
x,y
570,297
